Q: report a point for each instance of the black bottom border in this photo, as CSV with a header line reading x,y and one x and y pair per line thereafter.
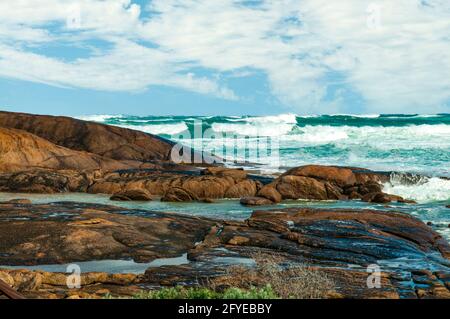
x,y
222,308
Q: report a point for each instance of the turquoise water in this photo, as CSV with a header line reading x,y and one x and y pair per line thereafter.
x,y
404,143
433,211
410,143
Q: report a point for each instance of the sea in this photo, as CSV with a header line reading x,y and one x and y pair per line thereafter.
x,y
405,143
416,147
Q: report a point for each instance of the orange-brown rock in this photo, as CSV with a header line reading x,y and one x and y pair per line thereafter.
x,y
255,201
236,174
21,150
317,182
300,187
242,189
271,193
177,186
178,194
323,239
133,195
337,175
47,181
104,140
84,232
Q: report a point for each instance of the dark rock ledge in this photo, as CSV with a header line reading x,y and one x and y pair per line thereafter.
x,y
341,243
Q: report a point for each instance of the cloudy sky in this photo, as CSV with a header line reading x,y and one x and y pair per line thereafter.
x,y
154,57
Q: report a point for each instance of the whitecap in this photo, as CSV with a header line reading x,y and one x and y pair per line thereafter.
x,y
159,129
423,190
98,117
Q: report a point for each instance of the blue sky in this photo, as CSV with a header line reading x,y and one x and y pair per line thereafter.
x,y
230,57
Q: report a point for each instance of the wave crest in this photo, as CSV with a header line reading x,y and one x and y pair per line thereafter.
x,y
419,188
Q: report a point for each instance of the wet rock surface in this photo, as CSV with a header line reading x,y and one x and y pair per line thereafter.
x,y
44,154
413,259
316,182
65,232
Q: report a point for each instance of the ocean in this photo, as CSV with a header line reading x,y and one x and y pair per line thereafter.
x,y
416,144
409,143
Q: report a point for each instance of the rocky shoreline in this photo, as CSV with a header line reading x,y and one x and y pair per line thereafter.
x,y
42,154
329,240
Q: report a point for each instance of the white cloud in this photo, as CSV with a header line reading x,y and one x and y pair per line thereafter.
x,y
400,65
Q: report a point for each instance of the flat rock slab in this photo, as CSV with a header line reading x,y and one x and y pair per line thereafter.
x,y
412,258
68,232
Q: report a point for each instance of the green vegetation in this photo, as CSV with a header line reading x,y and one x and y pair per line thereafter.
x,y
273,277
205,293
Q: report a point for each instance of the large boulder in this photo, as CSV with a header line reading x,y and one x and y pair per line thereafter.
x,y
300,187
133,195
317,182
255,201
177,186
178,194
104,140
270,192
242,189
21,150
336,175
47,181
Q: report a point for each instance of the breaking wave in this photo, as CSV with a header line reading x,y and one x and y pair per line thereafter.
x,y
419,188
393,142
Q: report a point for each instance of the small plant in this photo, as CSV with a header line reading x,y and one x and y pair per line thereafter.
x,y
287,279
273,277
206,293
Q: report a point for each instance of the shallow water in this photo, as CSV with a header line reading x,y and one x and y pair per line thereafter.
x,y
409,143
434,212
109,266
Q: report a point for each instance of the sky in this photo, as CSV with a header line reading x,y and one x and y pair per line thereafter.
x,y
225,57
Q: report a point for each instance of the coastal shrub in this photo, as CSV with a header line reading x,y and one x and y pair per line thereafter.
x,y
206,293
288,280
293,280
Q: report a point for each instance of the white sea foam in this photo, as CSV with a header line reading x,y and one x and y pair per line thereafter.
x,y
318,134
98,117
158,129
276,125
424,190
282,118
368,116
249,129
378,137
